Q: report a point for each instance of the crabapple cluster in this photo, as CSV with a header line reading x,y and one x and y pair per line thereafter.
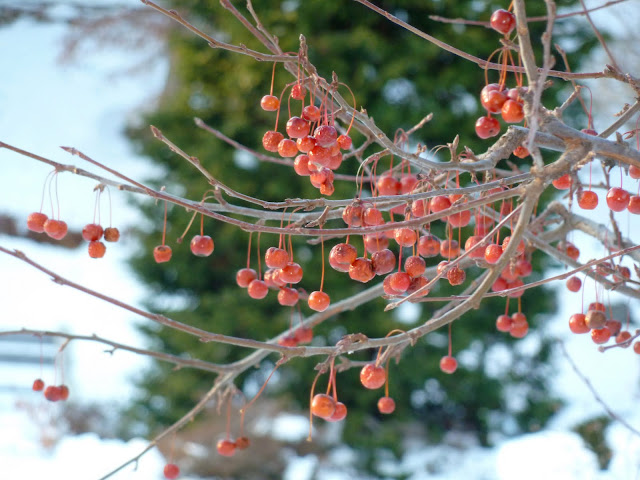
x,y
53,393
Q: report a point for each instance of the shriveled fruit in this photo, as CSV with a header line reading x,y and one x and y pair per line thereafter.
x,y
361,270
162,253
383,261
111,234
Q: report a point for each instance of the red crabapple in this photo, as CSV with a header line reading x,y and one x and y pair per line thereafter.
x,y
270,103
201,245
617,199
171,471
162,253
226,448
372,376
36,221
386,405
97,249
503,21
448,364
92,232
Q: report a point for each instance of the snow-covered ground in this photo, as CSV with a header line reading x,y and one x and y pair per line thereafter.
x,y
86,104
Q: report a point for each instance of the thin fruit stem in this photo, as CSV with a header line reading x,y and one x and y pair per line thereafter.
x,y
450,338
44,189
386,382
257,395
273,77
353,116
228,429
322,254
110,206
164,227
313,388
259,259
249,251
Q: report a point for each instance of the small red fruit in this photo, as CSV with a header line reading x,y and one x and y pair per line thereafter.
x,y
276,257
634,204
202,245
52,393
162,253
415,266
242,443
339,413
563,182
361,270
287,148
383,261
503,21
323,406
56,229
226,448
587,200
492,253
601,335
448,364
303,334
372,376
171,471
111,234
270,103
345,142
97,249
504,323
288,296
487,127
512,111
301,165
386,405
245,276
257,289
311,113
574,284
325,135
617,199
456,276
291,273
578,324
318,301
634,172
36,221
298,92
38,385
428,246
92,232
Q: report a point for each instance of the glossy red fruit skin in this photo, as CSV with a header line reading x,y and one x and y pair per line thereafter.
x,y
288,341
504,323
111,234
276,257
372,376
387,185
574,284
92,232
399,281
323,406
202,245
345,142
634,172
287,148
448,364
311,113
415,266
38,385
383,261
386,405
600,336
340,413
64,392
617,199
291,273
36,221
428,246
245,276
503,21
440,203
97,249
325,135
512,111
297,128
162,253
634,204
56,229
269,103
587,200
563,182
487,127
521,152
577,323
519,331
318,301
492,98
493,253
171,471
226,448
257,289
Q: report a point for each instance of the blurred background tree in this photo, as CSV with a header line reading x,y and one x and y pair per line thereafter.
x,y
398,78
